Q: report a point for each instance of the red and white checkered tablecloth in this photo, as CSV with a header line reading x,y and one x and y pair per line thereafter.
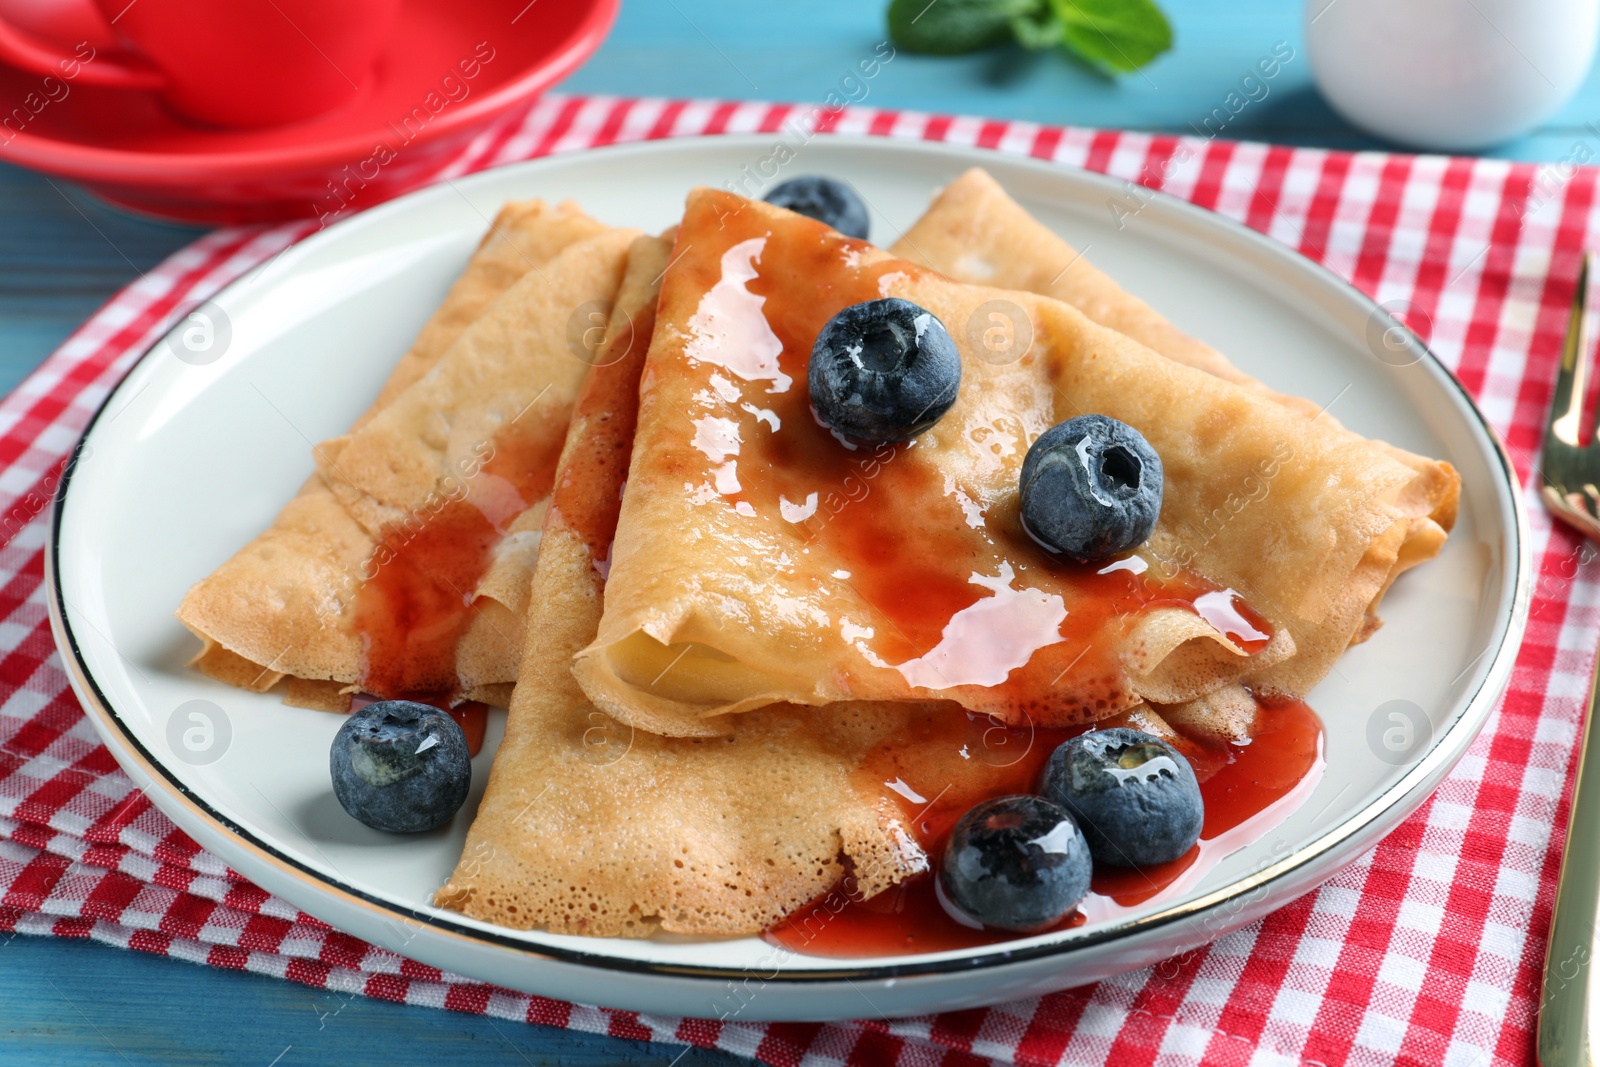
x,y
1427,951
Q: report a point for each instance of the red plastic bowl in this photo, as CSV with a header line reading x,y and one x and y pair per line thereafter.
x,y
451,69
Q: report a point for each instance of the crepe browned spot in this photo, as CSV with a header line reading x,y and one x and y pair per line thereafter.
x,y
973,232
759,560
591,827
283,605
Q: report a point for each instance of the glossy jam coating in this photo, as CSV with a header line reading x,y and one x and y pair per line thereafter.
x,y
584,501
417,597
925,577
1248,790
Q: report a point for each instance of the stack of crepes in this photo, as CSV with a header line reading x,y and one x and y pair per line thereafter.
x,y
716,614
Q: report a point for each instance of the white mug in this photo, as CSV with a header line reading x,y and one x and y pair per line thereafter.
x,y
1449,75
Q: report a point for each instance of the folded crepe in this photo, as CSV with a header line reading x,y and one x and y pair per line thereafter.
x,y
452,479
290,604
590,827
759,560
524,236
973,232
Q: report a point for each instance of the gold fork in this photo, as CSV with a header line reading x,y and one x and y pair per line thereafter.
x,y
1569,1009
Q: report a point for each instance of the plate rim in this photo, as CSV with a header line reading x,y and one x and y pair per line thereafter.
x,y
1475,708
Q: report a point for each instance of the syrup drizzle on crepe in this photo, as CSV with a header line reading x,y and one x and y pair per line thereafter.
x,y
951,761
419,595
599,458
959,599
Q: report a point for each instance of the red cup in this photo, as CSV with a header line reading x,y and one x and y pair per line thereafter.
x,y
239,63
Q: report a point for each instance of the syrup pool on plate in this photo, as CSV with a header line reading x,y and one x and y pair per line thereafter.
x,y
1248,790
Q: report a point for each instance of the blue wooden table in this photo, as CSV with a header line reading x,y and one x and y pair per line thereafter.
x,y
62,254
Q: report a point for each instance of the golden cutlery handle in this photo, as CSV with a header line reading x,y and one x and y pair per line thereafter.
x,y
1569,1010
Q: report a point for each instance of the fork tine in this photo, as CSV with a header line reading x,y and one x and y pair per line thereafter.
x,y
1585,342
1566,407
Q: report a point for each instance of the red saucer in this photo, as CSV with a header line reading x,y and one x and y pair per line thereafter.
x,y
452,68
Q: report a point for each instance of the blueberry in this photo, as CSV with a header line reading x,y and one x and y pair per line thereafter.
x,y
400,766
1091,488
885,370
1136,799
1017,863
826,200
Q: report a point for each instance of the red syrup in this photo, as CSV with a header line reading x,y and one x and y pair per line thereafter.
x,y
413,610
473,718
956,598
1247,789
588,499
416,599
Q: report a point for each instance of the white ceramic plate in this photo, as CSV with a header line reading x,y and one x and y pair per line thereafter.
x,y
187,462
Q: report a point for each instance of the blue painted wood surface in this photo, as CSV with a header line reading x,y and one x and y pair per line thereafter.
x,y
62,254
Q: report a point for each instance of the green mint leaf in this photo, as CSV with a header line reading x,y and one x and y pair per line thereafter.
x,y
1037,30
1117,36
950,27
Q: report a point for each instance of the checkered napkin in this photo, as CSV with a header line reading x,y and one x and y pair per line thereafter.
x,y
1426,951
